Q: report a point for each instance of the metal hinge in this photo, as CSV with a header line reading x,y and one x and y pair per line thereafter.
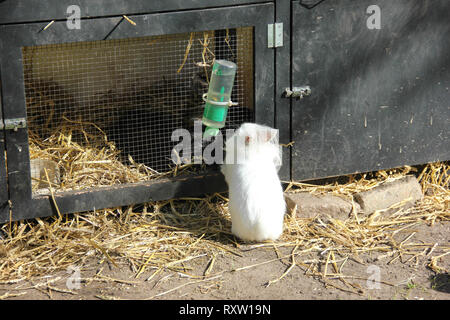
x,y
275,35
13,124
296,92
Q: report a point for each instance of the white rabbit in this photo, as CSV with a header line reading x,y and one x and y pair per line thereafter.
x,y
256,201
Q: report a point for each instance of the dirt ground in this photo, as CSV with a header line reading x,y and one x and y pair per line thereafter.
x,y
256,273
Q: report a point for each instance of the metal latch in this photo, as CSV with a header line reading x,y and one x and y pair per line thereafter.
x,y
275,35
14,124
296,92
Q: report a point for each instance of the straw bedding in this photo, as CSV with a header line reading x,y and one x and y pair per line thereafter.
x,y
86,157
168,235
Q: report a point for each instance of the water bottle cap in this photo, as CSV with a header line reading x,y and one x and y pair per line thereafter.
x,y
226,63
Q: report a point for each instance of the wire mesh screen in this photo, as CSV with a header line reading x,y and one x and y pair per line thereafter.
x,y
134,91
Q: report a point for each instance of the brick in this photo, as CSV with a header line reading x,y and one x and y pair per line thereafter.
x,y
389,193
309,205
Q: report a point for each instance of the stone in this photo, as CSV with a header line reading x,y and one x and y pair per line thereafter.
x,y
389,193
310,205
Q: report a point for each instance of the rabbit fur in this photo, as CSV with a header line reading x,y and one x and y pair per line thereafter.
x,y
256,200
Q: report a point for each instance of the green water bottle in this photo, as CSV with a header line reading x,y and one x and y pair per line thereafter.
x,y
218,98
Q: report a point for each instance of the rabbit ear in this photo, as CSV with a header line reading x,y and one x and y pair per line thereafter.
x,y
262,135
269,135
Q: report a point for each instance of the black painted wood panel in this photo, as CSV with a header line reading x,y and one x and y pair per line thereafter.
x,y
380,97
